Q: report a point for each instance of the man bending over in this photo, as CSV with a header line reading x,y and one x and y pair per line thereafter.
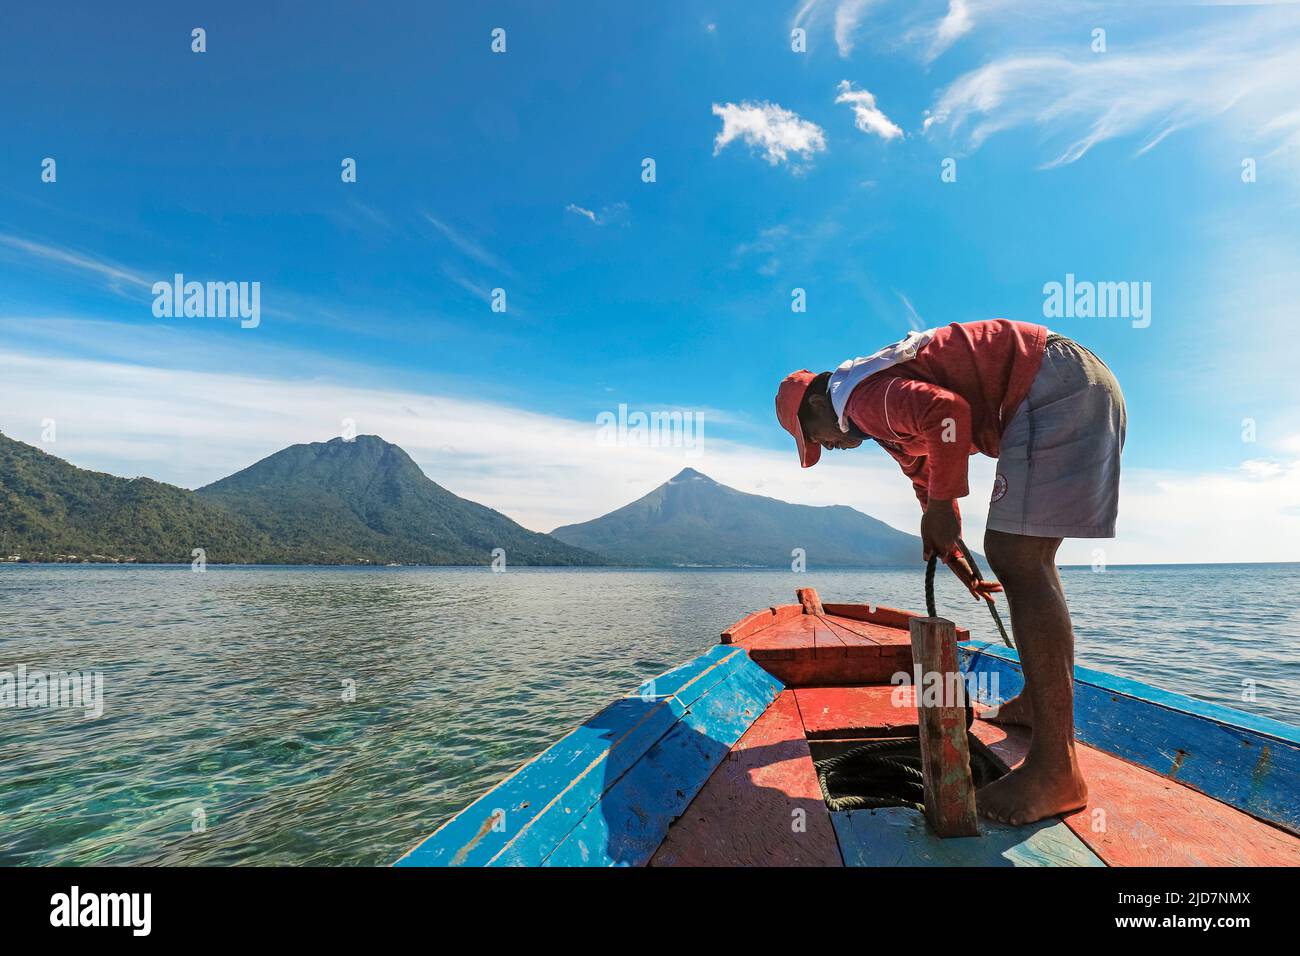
x,y
1053,416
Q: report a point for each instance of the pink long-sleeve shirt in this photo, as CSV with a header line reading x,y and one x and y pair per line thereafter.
x,y
954,399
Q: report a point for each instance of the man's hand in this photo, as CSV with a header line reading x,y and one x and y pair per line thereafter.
x,y
979,588
940,528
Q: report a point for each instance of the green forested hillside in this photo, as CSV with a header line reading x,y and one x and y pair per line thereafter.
x,y
337,502
365,499
51,510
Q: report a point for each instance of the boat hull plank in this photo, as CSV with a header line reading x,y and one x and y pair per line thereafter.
x,y
831,711
898,836
631,819
890,618
761,807
1248,762
809,650
759,620
863,632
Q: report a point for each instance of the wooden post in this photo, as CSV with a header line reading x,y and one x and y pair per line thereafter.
x,y
941,713
808,597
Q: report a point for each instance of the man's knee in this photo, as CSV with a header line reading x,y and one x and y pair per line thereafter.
x,y
1019,557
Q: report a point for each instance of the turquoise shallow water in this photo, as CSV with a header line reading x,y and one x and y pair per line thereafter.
x,y
224,691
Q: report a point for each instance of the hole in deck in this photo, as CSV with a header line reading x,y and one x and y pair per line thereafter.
x,y
878,767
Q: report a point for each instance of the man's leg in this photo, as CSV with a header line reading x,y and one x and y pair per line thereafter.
x,y
1049,781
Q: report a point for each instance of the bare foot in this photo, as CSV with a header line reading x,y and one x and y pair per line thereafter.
x,y
1031,792
1015,711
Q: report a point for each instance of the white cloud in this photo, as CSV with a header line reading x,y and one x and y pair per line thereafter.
x,y
1243,74
775,131
1231,515
1261,468
866,115
580,211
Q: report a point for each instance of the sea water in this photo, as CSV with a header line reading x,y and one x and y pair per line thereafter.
x,y
338,715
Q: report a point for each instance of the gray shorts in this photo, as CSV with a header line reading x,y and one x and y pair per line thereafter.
x,y
1058,475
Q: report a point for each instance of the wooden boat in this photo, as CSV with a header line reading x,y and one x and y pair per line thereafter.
x,y
716,763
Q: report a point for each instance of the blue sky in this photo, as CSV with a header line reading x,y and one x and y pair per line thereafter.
x,y
522,170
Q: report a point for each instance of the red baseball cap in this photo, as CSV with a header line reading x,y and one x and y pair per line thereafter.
x,y
788,399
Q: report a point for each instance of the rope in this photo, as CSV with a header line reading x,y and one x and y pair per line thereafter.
x,y
886,773
979,576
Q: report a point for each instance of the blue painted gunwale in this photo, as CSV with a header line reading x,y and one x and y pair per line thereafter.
x,y
1248,762
605,793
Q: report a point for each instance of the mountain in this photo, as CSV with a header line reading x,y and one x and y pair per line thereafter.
x,y
693,520
50,510
337,502
366,500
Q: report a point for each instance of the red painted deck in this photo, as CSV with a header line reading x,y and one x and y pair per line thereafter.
x,y
1135,817
761,807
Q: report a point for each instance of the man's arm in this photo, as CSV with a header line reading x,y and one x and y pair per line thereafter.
x,y
915,467
911,412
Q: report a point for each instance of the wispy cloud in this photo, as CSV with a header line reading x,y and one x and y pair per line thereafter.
x,y
469,246
866,115
125,281
478,289
359,217
845,15
793,248
763,247
956,23
117,276
935,37
771,129
913,317
610,213
1244,74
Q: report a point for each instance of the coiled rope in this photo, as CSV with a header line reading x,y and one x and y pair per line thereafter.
x,y
886,773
